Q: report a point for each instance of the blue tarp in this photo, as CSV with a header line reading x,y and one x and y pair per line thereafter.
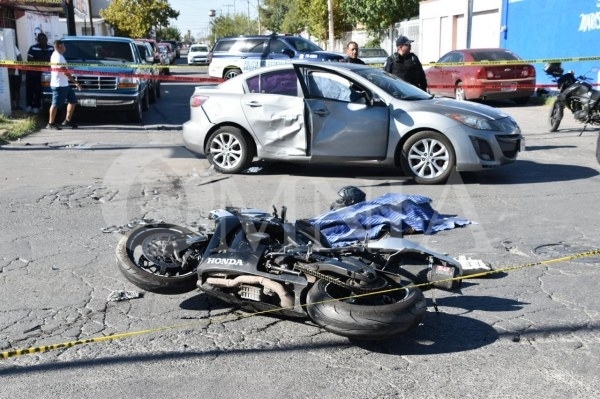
x,y
397,213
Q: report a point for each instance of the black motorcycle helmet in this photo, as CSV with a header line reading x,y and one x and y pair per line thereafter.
x,y
349,195
553,68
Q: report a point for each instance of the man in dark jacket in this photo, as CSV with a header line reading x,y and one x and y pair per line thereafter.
x,y
352,53
406,65
40,53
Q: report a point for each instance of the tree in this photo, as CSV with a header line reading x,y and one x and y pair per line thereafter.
x,y
273,13
316,17
168,33
238,24
136,18
376,15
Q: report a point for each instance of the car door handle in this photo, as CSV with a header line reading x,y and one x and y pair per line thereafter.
x,y
254,104
322,112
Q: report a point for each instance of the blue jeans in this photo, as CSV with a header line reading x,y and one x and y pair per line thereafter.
x,y
62,93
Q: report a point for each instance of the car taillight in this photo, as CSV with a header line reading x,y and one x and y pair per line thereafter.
x,y
483,73
528,72
197,100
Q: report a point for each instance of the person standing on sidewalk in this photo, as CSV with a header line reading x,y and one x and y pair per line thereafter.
x,y
40,52
61,91
14,83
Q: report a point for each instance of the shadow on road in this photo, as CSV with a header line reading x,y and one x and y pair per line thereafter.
x,y
519,172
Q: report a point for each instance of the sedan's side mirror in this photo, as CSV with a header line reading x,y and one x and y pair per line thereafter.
x,y
376,101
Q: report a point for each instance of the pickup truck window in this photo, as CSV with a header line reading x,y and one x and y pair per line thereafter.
x,y
98,51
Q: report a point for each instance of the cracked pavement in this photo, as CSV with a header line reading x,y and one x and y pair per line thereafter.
x,y
527,333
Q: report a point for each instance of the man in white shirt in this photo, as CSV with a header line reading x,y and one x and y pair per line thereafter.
x,y
61,91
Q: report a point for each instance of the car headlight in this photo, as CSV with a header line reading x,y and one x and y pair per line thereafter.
x,y
128,83
474,121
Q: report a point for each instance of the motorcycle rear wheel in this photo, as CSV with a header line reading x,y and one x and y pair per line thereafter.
x,y
556,115
143,264
366,317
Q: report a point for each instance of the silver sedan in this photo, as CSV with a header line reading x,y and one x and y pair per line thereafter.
x,y
326,112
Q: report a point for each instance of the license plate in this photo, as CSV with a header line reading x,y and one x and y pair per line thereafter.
x,y
87,102
522,146
508,87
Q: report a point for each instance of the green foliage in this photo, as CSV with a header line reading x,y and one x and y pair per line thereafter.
x,y
168,33
285,16
273,14
17,126
237,24
136,18
376,15
373,42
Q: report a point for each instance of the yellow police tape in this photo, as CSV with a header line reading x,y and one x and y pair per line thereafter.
x,y
17,64
46,348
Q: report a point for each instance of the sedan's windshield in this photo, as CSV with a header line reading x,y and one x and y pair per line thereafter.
x,y
393,85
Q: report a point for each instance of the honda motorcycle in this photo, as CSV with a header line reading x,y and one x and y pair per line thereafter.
x,y
260,262
576,94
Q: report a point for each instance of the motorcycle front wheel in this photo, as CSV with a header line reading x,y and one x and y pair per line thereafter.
x,y
144,256
392,311
556,115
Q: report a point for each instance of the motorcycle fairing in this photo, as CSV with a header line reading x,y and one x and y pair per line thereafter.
x,y
402,245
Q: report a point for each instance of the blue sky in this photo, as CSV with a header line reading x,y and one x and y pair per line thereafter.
x,y
193,14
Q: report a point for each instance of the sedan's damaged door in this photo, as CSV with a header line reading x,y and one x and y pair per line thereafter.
x,y
341,121
275,112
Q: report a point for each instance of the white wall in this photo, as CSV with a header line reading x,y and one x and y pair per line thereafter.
x,y
30,24
444,26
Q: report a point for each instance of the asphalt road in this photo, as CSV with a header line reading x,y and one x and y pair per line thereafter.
x,y
528,332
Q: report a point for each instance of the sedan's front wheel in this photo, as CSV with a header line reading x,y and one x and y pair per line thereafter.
x,y
228,150
428,157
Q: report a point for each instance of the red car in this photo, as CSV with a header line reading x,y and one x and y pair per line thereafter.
x,y
498,81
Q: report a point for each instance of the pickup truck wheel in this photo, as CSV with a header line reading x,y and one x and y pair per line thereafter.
x,y
135,115
146,100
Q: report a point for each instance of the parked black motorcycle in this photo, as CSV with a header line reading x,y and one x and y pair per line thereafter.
x,y
576,94
260,262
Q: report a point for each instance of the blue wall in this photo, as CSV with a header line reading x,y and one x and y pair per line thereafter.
x,y
543,29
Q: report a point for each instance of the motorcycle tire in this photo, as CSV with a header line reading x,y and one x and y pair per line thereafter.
x,y
556,115
370,317
162,276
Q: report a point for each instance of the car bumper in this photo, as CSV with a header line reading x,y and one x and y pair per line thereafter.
x,y
111,101
501,90
197,60
478,150
193,139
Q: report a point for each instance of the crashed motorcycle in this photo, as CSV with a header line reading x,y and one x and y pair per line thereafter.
x,y
576,94
258,261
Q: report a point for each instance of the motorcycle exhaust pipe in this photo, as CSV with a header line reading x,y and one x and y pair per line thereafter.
x,y
285,298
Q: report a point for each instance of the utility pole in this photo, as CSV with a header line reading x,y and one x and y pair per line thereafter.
x,y
70,14
331,35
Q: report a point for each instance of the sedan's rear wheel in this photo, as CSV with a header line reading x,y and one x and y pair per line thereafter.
x,y
428,157
459,92
228,150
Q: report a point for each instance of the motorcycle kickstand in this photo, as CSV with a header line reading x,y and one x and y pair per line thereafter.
x,y
581,132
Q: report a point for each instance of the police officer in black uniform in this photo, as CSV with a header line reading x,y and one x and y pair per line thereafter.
x,y
40,53
406,65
